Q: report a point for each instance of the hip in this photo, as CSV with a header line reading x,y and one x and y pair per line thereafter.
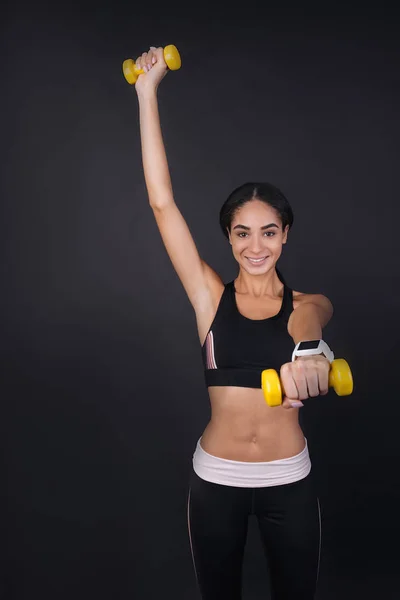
x,y
251,474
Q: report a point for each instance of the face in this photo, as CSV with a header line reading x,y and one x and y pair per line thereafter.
x,y
256,236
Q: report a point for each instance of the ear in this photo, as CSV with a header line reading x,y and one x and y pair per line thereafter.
x,y
285,234
229,236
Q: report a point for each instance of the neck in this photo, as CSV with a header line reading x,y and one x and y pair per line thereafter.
x,y
268,284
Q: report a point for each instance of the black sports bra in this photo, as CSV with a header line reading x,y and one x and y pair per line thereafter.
x,y
237,349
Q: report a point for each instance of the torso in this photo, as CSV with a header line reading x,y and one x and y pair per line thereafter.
x,y
242,426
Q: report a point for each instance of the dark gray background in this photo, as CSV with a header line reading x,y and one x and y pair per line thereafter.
x,y
103,396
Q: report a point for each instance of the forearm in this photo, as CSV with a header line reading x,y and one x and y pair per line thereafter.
x,y
155,164
306,323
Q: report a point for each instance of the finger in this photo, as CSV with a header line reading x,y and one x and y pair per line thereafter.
x,y
287,381
323,378
149,56
159,54
312,381
290,403
144,62
153,56
300,379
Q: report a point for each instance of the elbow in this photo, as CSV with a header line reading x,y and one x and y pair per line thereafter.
x,y
160,199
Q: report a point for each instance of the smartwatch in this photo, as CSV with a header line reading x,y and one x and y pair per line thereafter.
x,y
313,347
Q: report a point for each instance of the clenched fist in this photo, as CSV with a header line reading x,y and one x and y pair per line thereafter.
x,y
154,67
304,378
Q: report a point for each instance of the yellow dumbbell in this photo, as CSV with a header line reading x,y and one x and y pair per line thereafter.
x,y
340,378
171,57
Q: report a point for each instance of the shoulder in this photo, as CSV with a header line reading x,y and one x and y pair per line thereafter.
x,y
317,302
300,298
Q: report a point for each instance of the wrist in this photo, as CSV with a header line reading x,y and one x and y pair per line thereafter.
x,y
147,94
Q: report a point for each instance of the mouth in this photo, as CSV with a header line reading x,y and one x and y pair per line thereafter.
x,y
257,261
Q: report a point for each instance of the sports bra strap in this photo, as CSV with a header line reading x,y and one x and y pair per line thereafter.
x,y
287,308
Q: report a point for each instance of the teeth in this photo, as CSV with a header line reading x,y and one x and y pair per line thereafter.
x,y
256,260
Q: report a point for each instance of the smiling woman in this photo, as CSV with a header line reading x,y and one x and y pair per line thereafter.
x,y
255,244
251,458
253,213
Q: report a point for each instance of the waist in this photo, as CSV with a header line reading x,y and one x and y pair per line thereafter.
x,y
243,427
251,474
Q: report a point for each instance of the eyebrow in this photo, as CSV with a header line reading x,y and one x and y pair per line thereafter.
x,y
262,228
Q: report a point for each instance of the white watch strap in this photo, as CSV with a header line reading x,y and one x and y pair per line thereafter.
x,y
322,348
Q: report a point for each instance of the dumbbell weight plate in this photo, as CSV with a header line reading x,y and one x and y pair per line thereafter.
x,y
271,387
340,377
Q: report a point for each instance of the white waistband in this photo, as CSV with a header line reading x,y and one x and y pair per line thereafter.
x,y
251,474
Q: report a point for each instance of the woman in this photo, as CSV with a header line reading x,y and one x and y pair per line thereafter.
x,y
251,459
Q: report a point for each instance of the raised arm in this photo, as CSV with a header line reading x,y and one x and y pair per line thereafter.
x,y
198,279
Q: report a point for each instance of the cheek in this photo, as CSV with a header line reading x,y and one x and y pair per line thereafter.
x,y
277,242
238,244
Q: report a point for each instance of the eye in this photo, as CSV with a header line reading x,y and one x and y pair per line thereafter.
x,y
269,233
242,234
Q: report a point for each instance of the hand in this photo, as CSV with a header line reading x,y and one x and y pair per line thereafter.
x,y
306,377
154,67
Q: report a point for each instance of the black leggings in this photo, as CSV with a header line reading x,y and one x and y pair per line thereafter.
x,y
290,527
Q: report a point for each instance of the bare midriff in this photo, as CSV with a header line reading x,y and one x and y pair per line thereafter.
x,y
244,428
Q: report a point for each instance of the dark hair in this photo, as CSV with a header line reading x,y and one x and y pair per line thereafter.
x,y
266,192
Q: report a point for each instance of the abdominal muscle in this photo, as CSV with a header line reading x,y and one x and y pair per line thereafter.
x,y
244,428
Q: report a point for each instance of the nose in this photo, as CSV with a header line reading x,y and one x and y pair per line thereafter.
x,y
256,244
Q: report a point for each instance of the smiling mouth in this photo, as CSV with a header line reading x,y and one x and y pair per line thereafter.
x,y
256,261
